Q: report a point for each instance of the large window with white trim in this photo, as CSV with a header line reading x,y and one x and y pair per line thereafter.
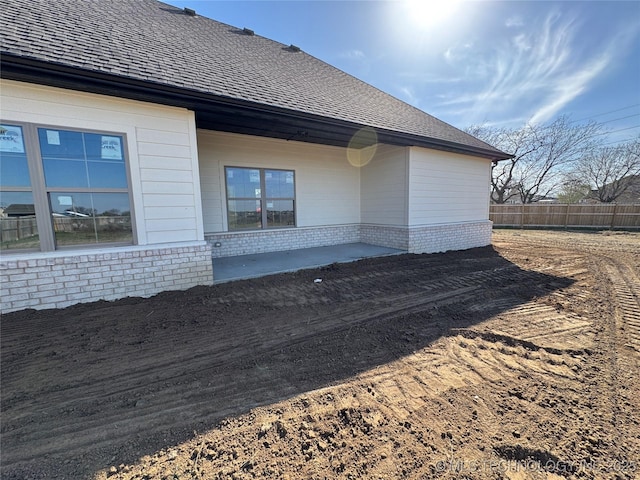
x,y
260,198
62,187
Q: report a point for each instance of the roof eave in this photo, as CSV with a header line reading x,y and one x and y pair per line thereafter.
x,y
216,112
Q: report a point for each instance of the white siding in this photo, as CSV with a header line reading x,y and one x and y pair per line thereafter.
x,y
211,183
327,186
161,148
383,186
447,187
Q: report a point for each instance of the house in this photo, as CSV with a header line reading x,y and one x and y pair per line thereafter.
x,y
19,210
175,138
625,190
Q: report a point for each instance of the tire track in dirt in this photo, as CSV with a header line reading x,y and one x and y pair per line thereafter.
x,y
351,430
123,395
555,320
402,398
380,371
76,429
609,383
626,289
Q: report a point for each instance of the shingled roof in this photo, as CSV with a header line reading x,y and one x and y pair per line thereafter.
x,y
234,80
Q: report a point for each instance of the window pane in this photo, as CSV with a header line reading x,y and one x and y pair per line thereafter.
x,y
14,170
65,173
245,214
279,184
83,218
88,160
18,227
104,147
280,213
107,175
243,183
61,144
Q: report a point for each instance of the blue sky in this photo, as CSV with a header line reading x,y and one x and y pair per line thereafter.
x,y
497,63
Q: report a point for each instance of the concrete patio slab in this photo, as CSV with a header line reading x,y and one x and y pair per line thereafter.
x,y
240,267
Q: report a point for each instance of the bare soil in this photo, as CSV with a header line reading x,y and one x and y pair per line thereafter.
x,y
515,361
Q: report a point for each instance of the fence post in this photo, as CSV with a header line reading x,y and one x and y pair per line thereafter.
x,y
566,217
613,216
522,217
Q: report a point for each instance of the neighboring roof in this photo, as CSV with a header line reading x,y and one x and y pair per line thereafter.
x,y
235,81
20,210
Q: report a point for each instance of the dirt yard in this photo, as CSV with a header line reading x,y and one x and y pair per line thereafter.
x,y
515,361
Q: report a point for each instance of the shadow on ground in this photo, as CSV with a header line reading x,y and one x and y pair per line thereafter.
x,y
99,384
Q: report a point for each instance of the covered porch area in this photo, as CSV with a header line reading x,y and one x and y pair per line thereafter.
x,y
226,269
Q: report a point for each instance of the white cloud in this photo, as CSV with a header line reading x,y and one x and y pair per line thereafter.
x,y
569,88
409,95
428,77
457,53
449,54
538,71
353,54
522,42
514,21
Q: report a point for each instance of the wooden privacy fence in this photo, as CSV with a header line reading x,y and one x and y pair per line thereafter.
x,y
17,228
566,215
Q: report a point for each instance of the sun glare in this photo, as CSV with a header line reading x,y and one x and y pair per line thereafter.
x,y
430,14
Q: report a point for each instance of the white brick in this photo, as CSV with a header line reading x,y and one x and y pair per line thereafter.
x,y
17,291
16,297
20,304
18,284
77,283
48,287
55,299
67,278
22,276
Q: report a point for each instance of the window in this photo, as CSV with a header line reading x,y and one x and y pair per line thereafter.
x,y
62,188
18,226
260,198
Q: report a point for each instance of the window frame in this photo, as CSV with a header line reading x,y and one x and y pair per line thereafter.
x,y
40,191
263,198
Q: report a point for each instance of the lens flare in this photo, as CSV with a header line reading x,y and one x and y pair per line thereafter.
x,y
362,147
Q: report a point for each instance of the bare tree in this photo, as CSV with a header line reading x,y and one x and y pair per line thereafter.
x,y
573,189
539,153
609,170
505,175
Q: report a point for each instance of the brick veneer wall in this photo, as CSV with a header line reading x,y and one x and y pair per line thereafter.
x,y
385,236
420,239
245,243
452,236
59,279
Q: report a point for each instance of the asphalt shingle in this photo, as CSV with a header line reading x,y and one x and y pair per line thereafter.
x,y
154,42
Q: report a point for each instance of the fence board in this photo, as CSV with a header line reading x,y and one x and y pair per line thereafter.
x,y
566,215
16,228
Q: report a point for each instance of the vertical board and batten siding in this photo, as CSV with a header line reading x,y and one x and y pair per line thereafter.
x,y
327,185
161,151
383,187
447,187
